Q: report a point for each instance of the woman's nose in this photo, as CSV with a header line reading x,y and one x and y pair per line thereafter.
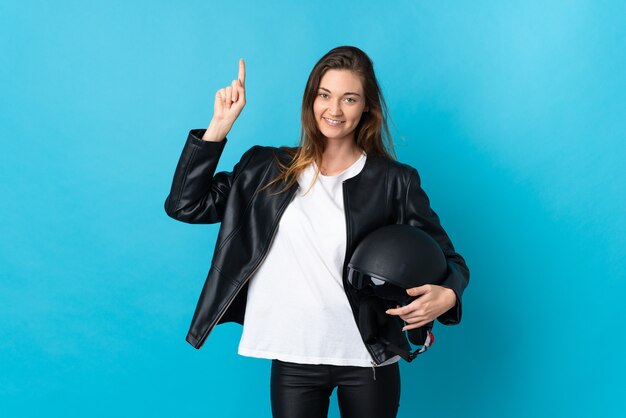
x,y
335,109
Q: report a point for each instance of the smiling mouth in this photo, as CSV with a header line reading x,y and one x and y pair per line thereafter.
x,y
333,122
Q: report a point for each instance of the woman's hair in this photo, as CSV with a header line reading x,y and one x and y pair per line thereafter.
x,y
371,134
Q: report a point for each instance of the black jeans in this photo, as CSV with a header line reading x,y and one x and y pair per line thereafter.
x,y
303,390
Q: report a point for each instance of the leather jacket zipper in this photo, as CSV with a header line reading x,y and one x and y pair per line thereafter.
x,y
221,314
345,206
374,365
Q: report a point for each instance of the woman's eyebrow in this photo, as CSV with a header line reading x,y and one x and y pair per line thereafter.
x,y
348,92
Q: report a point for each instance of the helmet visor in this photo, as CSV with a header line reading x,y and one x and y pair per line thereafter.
x,y
377,286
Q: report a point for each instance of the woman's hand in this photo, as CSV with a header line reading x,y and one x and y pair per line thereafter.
x,y
433,301
229,102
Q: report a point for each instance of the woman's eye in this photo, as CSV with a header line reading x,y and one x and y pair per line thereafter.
x,y
350,98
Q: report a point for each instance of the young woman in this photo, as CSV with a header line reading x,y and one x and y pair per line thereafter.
x,y
290,220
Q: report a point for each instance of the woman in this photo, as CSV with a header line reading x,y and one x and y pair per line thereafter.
x,y
290,219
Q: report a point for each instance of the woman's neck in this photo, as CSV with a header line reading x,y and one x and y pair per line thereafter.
x,y
338,157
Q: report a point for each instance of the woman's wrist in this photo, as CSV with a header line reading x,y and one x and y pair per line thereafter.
x,y
216,132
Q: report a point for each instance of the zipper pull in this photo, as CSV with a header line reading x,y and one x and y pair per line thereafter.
x,y
374,365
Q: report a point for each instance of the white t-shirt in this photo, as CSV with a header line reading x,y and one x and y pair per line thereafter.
x,y
296,307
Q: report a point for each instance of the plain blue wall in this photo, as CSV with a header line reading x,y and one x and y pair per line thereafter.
x,y
513,113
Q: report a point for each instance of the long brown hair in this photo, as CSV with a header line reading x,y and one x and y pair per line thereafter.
x,y
371,134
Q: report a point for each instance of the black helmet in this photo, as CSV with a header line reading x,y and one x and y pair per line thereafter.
x,y
390,260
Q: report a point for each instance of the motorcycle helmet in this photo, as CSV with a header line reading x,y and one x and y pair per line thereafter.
x,y
384,264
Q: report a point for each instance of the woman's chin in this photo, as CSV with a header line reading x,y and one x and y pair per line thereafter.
x,y
335,134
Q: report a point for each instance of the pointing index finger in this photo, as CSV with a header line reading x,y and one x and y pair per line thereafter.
x,y
242,71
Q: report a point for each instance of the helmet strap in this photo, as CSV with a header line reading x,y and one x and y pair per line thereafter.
x,y
406,354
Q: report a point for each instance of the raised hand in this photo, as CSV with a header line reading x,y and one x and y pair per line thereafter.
x,y
229,102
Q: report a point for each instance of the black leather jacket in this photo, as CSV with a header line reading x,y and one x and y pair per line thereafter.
x,y
384,192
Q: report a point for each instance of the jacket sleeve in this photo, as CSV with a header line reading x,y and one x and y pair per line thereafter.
x,y
420,214
198,195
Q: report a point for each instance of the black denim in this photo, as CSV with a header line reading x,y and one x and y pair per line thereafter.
x,y
303,390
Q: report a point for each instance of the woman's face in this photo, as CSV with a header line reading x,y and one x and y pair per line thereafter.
x,y
339,104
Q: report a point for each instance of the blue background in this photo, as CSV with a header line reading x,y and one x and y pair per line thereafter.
x,y
513,112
